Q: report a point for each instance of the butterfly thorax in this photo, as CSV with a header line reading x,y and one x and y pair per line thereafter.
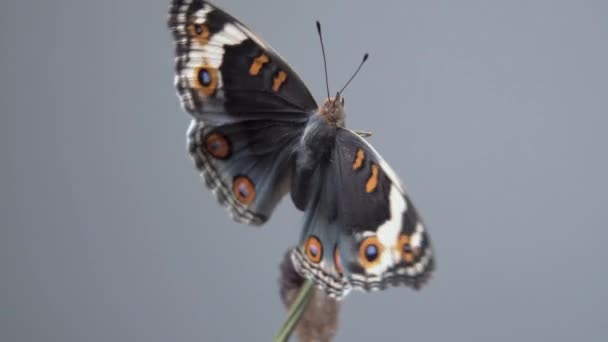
x,y
333,111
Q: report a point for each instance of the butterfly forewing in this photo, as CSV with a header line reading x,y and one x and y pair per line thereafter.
x,y
225,70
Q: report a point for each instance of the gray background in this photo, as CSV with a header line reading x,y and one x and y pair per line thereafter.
x,y
493,113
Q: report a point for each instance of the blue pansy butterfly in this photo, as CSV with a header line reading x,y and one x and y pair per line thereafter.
x,y
257,134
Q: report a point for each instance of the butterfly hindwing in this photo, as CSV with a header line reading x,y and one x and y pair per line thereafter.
x,y
227,73
318,255
246,164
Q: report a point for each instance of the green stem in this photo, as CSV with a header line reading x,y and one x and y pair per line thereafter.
x,y
295,311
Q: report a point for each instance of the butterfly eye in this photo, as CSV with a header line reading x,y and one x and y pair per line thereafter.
x,y
405,249
342,100
369,252
314,249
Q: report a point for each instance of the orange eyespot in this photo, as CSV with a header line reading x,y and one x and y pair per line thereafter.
x,y
405,249
244,190
370,251
206,79
314,249
217,145
337,261
199,32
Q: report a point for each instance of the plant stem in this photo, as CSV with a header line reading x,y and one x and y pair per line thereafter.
x,y
295,311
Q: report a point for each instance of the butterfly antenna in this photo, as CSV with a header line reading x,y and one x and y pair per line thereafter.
x,y
356,72
324,59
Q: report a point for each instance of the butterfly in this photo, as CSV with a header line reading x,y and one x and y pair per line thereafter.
x,y
257,134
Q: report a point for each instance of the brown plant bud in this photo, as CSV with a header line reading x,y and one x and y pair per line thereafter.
x,y
319,322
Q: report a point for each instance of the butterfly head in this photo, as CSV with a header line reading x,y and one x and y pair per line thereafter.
x,y
333,110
